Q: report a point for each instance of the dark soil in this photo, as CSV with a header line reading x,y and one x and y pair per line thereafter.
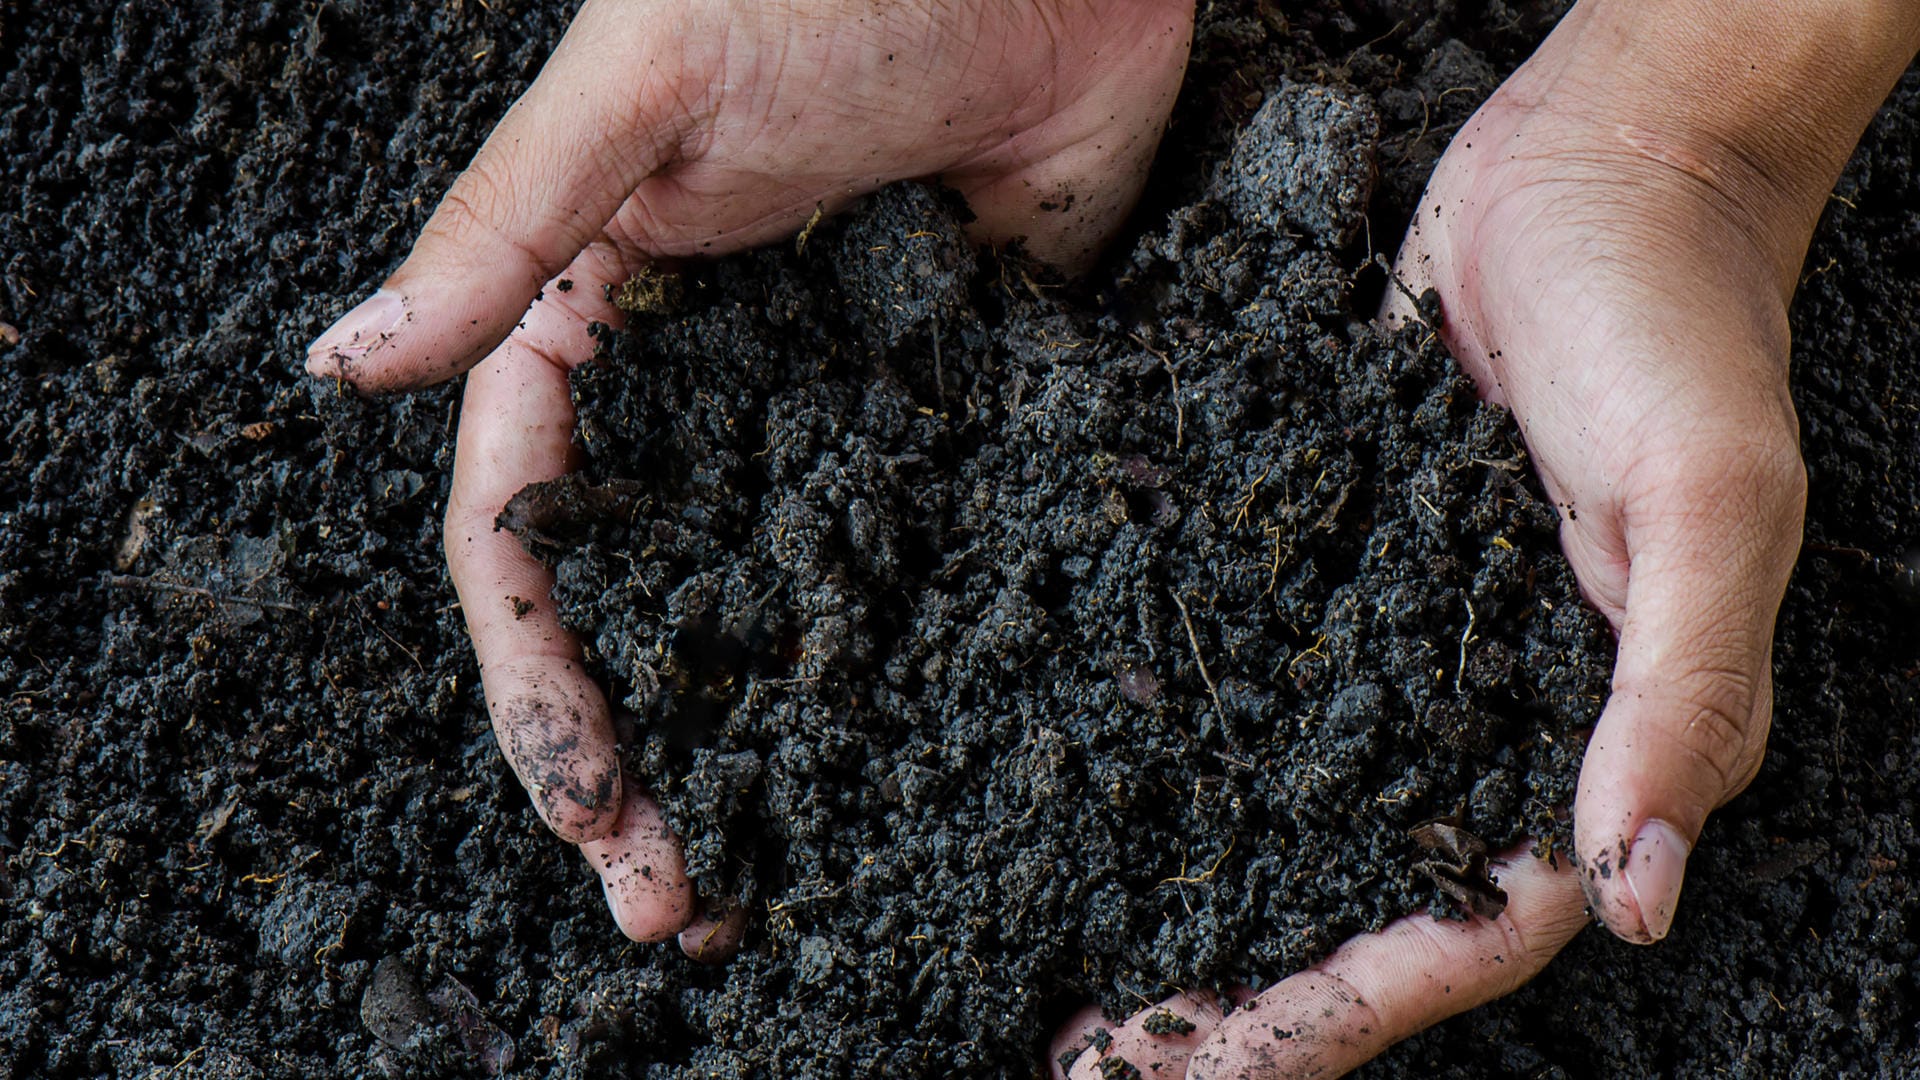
x,y
1034,670
1006,644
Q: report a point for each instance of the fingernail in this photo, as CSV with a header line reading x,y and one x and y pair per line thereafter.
x,y
1656,866
357,332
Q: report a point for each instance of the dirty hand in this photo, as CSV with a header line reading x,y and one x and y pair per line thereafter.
x,y
1370,993
699,127
1614,238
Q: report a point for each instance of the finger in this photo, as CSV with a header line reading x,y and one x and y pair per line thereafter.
x,y
1378,989
552,722
1075,1034
642,872
1156,1042
1067,202
544,185
516,428
1686,725
714,937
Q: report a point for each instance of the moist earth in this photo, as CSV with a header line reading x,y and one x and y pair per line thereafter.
x,y
1004,644
1001,665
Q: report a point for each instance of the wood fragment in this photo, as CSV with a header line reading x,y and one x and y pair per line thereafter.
x,y
1466,638
806,231
1183,879
1194,640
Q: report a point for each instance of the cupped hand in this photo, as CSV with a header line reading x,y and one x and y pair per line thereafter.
x,y
699,127
1615,250
1614,239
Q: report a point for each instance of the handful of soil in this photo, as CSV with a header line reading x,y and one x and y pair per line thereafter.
x,y
1007,646
255,825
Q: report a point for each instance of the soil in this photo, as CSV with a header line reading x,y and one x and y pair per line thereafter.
x,y
1004,644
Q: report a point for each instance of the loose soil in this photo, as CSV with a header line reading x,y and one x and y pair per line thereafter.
x,y
1004,644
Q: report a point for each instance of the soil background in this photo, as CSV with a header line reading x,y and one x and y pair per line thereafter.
x,y
253,821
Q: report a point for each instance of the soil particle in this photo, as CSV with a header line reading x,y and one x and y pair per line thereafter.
x,y
1165,1022
650,292
307,920
442,1030
1459,867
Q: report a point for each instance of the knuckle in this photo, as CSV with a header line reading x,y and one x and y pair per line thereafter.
x,y
475,206
1757,475
455,524
1761,465
636,225
1527,953
479,213
1733,507
1715,730
1783,474
463,522
540,350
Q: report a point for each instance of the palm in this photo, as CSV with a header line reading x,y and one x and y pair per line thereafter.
x,y
1597,280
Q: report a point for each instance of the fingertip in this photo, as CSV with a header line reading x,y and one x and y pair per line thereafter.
x,y
1632,855
714,937
416,330
581,812
559,741
551,722
641,919
1634,888
642,872
369,328
1541,889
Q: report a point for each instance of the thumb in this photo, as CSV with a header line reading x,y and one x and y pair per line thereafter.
x,y
1684,730
544,186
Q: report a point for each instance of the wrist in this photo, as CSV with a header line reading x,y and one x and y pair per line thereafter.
x,y
1762,101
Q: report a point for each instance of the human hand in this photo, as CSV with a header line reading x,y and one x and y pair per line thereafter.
x,y
698,127
1370,993
1614,238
